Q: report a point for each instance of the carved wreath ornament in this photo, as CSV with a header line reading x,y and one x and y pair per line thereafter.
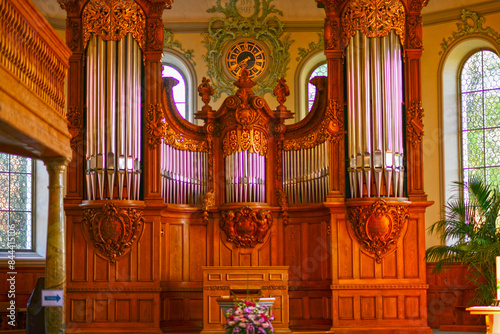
x,y
378,226
246,227
113,230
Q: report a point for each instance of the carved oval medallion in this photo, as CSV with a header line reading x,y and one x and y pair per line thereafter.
x,y
246,227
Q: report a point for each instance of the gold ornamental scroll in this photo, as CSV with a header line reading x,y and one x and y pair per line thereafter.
x,y
252,140
111,20
374,18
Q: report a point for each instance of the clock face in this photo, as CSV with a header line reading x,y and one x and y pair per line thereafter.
x,y
247,54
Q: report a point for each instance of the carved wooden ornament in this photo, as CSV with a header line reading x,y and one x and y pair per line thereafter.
x,y
246,227
378,226
113,230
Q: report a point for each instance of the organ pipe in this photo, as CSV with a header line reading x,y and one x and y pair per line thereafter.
x,y
375,147
245,177
113,118
306,174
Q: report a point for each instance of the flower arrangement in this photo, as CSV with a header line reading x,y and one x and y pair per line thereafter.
x,y
248,317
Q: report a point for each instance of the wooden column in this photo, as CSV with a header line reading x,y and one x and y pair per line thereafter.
x,y
55,268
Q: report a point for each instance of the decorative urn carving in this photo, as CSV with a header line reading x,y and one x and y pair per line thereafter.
x,y
112,229
378,226
246,227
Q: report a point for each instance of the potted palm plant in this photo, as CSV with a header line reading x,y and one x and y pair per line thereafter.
x,y
470,234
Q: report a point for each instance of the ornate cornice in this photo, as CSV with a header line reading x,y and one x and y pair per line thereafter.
x,y
380,287
113,19
465,28
374,18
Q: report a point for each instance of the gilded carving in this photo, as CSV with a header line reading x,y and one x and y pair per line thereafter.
x,y
208,202
252,140
414,123
155,124
415,32
155,35
73,34
75,126
374,18
113,230
331,128
332,32
378,226
417,5
113,19
283,202
246,227
330,6
178,141
70,6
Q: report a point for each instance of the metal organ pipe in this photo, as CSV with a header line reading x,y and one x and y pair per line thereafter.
x,y
306,174
113,118
374,67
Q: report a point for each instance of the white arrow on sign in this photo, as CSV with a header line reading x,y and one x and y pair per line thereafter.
x,y
52,298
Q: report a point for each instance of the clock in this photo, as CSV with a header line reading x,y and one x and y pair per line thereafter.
x,y
246,53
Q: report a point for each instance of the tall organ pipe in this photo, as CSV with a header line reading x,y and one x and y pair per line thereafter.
x,y
113,118
374,68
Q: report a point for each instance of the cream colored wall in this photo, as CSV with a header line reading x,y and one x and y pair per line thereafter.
x,y
434,183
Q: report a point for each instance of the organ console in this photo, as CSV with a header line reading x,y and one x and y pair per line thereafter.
x,y
336,197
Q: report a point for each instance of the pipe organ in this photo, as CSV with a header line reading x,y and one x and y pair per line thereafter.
x,y
113,150
375,117
336,198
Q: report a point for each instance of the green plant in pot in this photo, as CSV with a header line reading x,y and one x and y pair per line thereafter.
x,y
471,228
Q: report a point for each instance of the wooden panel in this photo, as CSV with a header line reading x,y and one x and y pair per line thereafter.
x,y
122,310
145,310
176,235
176,309
367,308
346,308
264,254
101,268
123,269
100,310
78,310
292,252
145,248
214,312
296,308
390,307
244,259
79,254
316,307
197,252
345,252
367,266
412,307
312,266
226,255
410,249
196,309
389,266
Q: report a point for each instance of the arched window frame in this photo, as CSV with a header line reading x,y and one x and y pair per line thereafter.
x,y
176,60
304,70
450,111
462,111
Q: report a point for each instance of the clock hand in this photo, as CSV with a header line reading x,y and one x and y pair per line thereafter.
x,y
240,64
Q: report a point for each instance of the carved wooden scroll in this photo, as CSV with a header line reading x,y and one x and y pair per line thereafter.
x,y
378,226
246,227
113,229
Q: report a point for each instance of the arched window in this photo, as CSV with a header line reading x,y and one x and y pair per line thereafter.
x,y
480,110
179,91
320,70
177,66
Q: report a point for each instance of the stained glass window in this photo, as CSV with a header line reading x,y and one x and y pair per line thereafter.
x,y
15,202
321,70
480,83
179,91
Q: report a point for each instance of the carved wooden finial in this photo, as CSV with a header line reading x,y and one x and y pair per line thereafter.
x,y
205,91
281,91
244,81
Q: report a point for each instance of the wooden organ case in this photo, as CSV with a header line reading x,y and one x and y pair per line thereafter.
x,y
337,197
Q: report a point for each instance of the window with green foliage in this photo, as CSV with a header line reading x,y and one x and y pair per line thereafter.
x,y
480,95
319,71
15,202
